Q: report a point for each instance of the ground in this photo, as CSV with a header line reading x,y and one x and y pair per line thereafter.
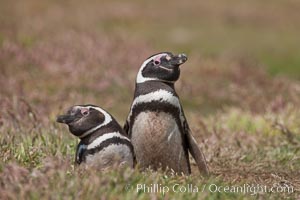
x,y
240,91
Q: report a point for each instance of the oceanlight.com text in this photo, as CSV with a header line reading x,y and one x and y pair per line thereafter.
x,y
251,189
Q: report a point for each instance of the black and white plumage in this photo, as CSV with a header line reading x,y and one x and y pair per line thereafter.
x,y
156,123
103,142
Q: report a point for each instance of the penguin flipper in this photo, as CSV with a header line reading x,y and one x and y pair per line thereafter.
x,y
126,127
196,152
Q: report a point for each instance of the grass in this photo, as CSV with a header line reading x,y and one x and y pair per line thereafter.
x,y
37,162
240,91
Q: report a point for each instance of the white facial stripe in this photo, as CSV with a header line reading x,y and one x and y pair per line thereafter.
x,y
104,137
140,78
107,119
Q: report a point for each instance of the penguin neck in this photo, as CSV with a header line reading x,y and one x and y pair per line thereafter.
x,y
150,86
170,84
90,137
113,126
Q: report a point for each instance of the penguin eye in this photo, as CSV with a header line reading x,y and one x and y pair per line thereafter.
x,y
156,62
84,112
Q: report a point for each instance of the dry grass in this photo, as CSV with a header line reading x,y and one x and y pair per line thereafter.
x,y
56,54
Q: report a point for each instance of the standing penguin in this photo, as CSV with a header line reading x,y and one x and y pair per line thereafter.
x,y
156,122
103,142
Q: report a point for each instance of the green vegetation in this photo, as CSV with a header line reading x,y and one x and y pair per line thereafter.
x,y
240,91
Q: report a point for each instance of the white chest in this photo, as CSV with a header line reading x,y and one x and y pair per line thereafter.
x,y
113,154
155,130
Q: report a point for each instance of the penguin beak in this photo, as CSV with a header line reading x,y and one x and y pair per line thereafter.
x,y
179,59
65,119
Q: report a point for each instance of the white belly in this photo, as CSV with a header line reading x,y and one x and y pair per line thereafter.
x,y
157,142
111,155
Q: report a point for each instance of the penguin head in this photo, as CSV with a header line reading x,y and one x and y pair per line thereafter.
x,y
161,67
84,119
